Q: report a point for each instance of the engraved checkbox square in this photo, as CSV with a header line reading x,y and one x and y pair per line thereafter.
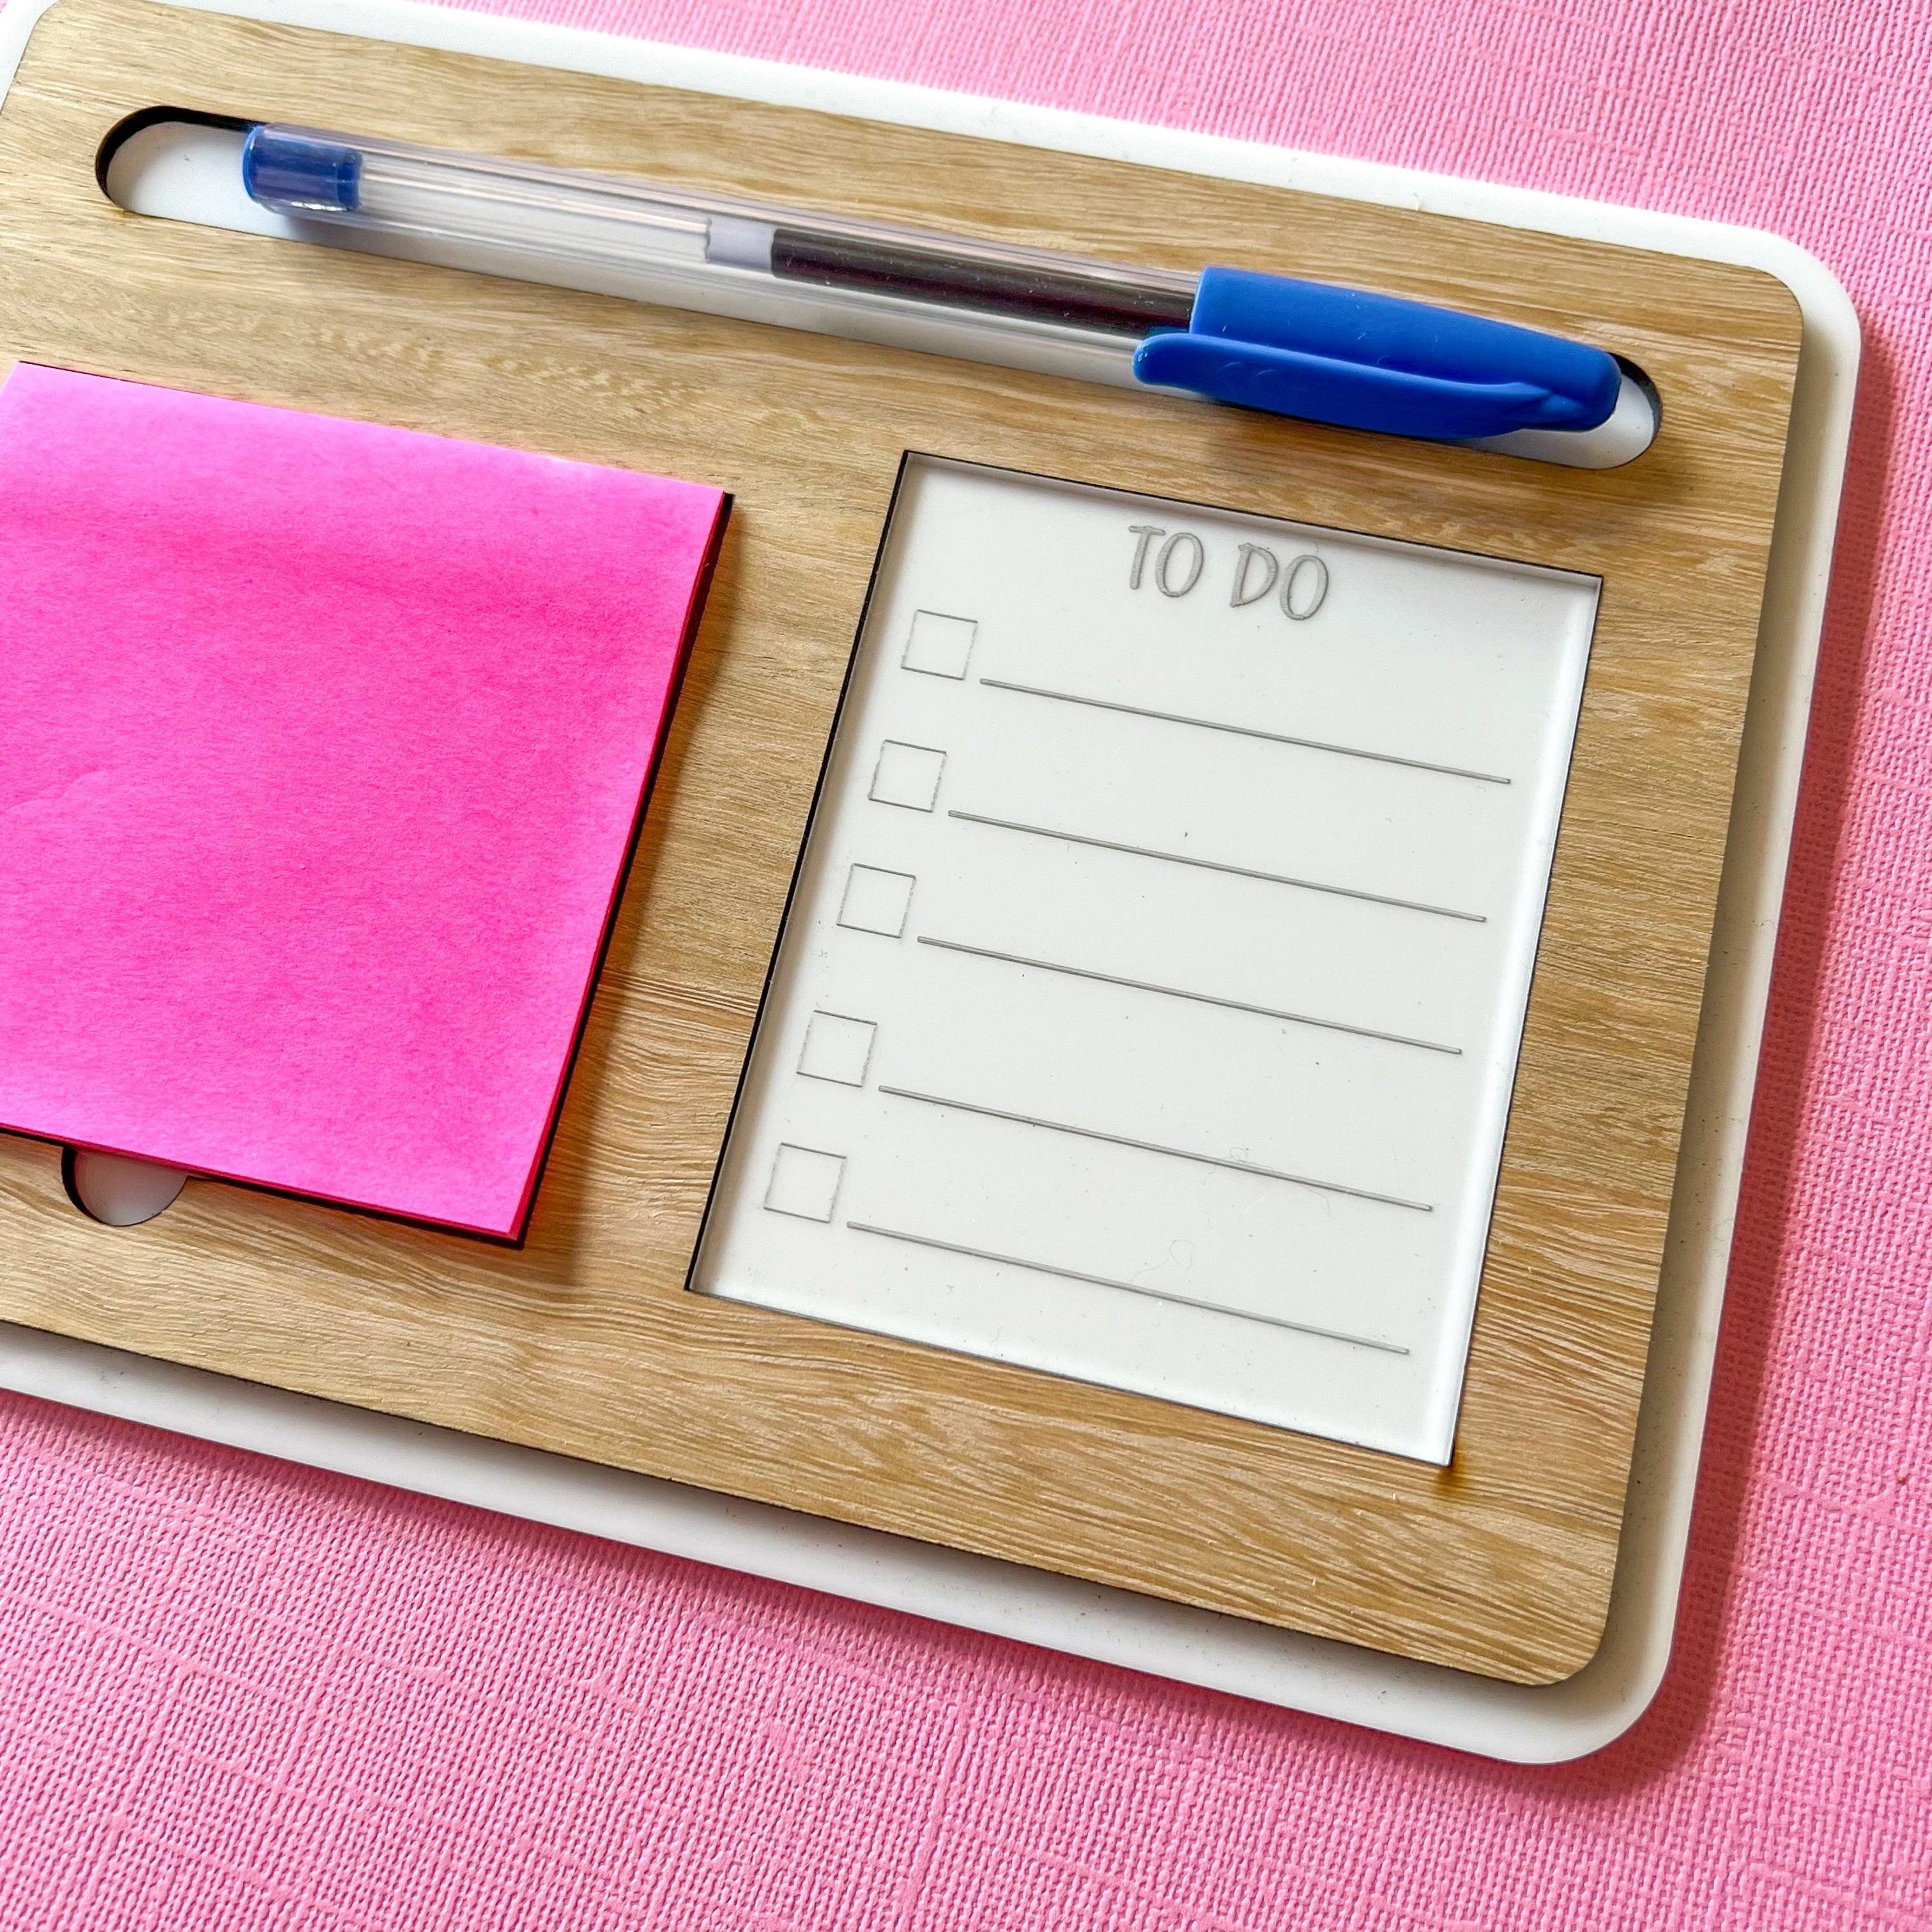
x,y
877,900
804,1182
907,775
939,645
837,1048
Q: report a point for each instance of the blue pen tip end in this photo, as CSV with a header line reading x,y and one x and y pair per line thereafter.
x,y
299,174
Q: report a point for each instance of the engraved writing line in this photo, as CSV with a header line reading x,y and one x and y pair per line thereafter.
x,y
1244,731
1179,993
1126,1288
1153,1147
1217,866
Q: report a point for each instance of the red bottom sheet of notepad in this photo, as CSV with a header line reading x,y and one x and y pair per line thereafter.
x,y
322,750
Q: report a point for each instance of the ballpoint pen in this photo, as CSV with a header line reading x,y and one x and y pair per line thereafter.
x,y
1264,341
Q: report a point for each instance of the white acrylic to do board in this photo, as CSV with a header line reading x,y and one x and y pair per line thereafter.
x,y
1151,997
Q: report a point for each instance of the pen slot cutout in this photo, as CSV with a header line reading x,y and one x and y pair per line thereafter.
x,y
178,164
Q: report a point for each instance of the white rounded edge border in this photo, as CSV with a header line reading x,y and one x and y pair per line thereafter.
x,y
1523,1724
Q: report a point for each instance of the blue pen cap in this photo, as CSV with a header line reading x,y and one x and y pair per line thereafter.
x,y
300,174
1379,362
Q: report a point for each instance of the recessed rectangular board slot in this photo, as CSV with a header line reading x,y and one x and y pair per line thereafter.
x,y
1150,997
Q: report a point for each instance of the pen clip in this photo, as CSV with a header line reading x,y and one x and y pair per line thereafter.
x,y
1376,362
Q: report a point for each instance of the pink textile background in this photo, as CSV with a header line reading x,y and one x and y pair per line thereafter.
x,y
234,1694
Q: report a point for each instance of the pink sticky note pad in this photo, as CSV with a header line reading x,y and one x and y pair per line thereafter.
x,y
322,749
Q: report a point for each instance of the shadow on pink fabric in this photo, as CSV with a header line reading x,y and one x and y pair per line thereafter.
x,y
237,1695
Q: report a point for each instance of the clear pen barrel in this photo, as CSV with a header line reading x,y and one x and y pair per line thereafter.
x,y
811,270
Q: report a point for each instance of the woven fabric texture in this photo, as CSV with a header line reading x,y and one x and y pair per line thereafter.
x,y
237,1695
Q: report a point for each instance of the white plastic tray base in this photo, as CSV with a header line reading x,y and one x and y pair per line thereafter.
x,y
1528,1725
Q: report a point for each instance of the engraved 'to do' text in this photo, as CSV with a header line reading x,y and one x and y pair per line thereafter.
x,y
1173,563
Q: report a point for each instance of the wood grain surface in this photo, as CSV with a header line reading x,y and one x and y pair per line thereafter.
x,y
584,1341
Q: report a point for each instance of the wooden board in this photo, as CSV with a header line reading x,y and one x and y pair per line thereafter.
x,y
584,1341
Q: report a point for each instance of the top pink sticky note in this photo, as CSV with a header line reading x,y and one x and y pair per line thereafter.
x,y
321,750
